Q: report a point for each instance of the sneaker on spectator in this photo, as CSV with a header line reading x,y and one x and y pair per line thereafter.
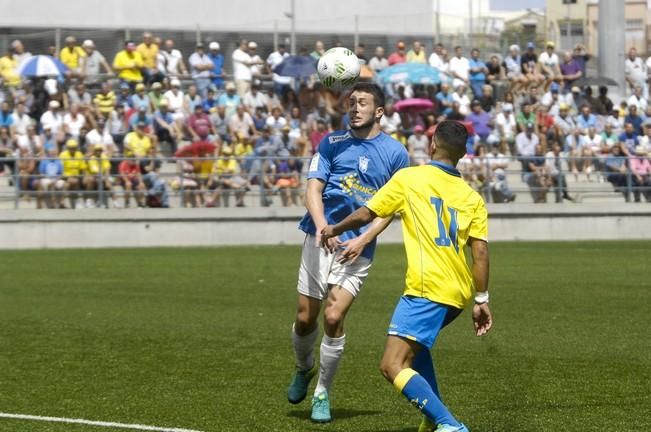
x,y
90,203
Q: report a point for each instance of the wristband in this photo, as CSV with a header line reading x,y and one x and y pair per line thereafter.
x,y
481,297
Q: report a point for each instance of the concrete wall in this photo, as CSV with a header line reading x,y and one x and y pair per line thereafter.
x,y
29,229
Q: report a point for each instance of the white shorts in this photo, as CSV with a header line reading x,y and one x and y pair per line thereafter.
x,y
320,269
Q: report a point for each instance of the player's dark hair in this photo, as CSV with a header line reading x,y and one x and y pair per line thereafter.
x,y
372,88
451,137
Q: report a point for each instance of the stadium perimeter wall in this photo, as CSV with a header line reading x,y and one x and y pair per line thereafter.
x,y
30,229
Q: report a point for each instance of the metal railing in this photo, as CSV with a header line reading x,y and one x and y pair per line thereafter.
x,y
199,181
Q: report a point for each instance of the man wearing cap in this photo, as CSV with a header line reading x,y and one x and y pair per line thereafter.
x,y
52,118
399,55
140,99
506,127
175,98
201,67
138,141
94,63
128,64
74,167
74,57
217,58
98,167
641,169
242,63
148,50
170,60
570,70
258,63
229,100
166,129
512,65
155,95
529,64
549,63
564,124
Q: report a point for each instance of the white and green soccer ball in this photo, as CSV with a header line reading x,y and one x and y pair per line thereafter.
x,y
338,68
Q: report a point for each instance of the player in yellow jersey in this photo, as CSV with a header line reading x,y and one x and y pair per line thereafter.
x,y
441,214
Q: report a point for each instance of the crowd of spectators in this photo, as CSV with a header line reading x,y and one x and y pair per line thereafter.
x,y
116,122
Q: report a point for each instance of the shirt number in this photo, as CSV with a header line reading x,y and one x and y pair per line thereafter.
x,y
447,235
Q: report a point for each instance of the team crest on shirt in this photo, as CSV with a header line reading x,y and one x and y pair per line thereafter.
x,y
363,164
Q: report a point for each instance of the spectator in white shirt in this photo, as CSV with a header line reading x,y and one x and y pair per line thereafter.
x,y
638,99
281,83
459,68
635,71
52,118
257,68
170,60
20,120
254,98
175,99
462,99
550,63
506,127
436,58
201,67
378,62
74,121
390,121
276,121
242,63
526,141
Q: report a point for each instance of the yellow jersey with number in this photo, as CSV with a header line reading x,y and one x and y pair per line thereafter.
x,y
440,212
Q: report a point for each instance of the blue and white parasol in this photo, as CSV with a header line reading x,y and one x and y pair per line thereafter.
x,y
41,66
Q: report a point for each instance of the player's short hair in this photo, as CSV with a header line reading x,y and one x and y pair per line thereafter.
x,y
374,89
451,136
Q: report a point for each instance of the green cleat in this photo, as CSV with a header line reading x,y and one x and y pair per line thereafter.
x,y
426,425
321,408
297,389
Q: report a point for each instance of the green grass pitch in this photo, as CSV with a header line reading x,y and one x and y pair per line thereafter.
x,y
200,339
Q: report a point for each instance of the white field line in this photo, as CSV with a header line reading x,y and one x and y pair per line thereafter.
x,y
93,423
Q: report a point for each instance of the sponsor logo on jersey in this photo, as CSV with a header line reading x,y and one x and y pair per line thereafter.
x,y
336,138
363,164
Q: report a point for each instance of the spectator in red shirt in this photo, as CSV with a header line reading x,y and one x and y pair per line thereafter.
x,y
318,134
398,56
131,180
199,125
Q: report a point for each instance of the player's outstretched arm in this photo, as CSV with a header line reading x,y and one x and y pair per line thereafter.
x,y
481,314
360,217
314,205
353,248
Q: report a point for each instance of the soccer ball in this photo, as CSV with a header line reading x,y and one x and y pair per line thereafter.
x,y
338,68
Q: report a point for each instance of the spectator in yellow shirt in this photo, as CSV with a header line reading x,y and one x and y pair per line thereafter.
x,y
417,53
128,64
148,50
74,166
8,65
74,57
97,164
105,100
138,141
226,177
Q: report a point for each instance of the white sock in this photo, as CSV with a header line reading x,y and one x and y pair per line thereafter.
x,y
304,348
331,351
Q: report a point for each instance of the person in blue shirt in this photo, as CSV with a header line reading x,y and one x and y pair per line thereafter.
x,y
229,100
586,119
140,116
478,71
616,168
6,116
210,101
634,118
444,100
349,167
50,170
628,139
217,74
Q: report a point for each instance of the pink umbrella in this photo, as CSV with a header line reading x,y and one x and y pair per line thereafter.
x,y
414,104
